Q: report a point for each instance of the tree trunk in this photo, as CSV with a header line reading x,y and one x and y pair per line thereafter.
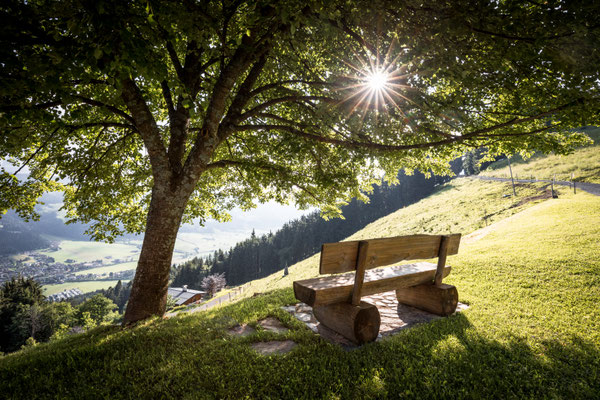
x,y
149,291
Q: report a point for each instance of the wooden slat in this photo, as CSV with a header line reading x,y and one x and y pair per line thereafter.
x,y
341,257
442,255
337,288
361,266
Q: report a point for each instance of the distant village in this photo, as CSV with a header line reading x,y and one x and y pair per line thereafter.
x,y
47,271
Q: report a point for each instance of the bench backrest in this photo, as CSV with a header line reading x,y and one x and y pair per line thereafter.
x,y
342,256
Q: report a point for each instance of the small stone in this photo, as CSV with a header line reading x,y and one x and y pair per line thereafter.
x,y
273,324
274,347
304,317
388,320
289,309
313,327
303,308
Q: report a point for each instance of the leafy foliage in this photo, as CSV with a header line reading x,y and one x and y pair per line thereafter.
x,y
25,314
26,317
213,283
488,72
97,308
171,302
152,114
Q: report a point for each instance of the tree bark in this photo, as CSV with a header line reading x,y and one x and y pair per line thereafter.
x,y
149,291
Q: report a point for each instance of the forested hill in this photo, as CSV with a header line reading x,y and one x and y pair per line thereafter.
x,y
17,236
260,256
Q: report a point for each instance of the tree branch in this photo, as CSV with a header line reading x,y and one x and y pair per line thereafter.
x,y
102,124
345,28
280,84
32,156
283,172
206,142
110,108
146,126
284,120
104,153
286,99
242,96
515,121
167,96
40,106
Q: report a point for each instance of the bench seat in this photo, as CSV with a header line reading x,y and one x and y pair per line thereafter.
x,y
338,288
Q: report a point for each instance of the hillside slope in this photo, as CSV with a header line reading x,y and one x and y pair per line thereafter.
x,y
462,205
583,165
532,330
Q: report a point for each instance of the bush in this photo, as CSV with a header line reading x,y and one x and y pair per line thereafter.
x,y
213,283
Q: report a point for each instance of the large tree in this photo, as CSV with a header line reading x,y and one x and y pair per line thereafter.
x,y
151,114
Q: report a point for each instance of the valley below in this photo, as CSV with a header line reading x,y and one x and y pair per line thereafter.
x,y
90,266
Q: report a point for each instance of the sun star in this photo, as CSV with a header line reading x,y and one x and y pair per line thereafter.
x,y
377,80
376,83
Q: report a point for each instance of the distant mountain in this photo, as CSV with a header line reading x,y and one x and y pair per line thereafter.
x,y
265,217
17,236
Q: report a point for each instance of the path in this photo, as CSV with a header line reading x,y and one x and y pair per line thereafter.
x,y
592,188
211,303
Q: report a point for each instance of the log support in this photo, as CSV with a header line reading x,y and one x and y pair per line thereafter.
x,y
436,299
360,323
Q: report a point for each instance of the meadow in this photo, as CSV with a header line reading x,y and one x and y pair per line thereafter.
x,y
530,277
188,245
84,286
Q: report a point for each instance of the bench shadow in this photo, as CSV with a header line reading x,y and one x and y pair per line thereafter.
x,y
451,358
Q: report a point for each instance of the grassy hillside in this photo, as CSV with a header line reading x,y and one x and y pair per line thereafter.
x,y
583,164
532,282
463,205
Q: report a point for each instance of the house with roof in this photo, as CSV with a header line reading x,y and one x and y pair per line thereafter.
x,y
185,296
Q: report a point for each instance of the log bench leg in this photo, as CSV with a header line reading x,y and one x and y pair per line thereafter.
x,y
360,324
437,299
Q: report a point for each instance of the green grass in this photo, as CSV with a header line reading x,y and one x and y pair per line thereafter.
x,y
583,165
532,329
85,286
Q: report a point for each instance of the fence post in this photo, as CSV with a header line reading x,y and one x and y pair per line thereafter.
x,y
511,176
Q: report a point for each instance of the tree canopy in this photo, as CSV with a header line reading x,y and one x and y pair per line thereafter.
x,y
150,114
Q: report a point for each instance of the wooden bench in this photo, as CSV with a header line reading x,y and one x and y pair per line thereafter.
x,y
336,299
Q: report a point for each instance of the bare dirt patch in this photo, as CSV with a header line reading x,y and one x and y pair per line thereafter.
x,y
546,194
272,324
241,330
274,347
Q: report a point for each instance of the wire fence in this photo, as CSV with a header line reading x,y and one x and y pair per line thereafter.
x,y
572,184
225,298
